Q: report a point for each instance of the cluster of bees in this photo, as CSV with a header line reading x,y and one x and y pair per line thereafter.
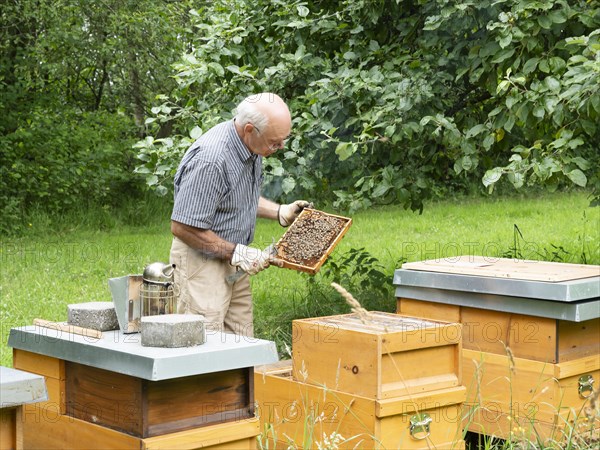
x,y
307,240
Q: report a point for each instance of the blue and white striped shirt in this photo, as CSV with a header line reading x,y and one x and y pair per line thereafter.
x,y
217,185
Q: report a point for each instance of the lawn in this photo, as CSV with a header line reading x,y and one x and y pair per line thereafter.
x,y
50,267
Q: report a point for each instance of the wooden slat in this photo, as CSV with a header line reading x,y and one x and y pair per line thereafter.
x,y
8,428
292,408
190,402
429,310
235,435
65,432
507,268
578,339
492,331
405,373
342,361
419,402
107,398
440,335
580,366
39,364
445,430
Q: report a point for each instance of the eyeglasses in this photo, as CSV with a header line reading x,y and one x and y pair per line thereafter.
x,y
276,146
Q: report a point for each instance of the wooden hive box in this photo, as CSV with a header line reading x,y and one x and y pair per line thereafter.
x,y
543,316
387,356
139,407
509,396
139,397
293,413
108,412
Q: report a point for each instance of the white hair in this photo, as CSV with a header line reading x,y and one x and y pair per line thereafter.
x,y
247,112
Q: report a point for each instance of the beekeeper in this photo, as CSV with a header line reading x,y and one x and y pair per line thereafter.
x,y
217,200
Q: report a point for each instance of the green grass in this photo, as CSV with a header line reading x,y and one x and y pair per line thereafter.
x,y
56,263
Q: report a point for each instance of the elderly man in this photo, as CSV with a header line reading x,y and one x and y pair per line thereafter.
x,y
217,200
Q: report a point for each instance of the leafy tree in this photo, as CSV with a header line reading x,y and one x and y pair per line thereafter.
x,y
77,79
395,101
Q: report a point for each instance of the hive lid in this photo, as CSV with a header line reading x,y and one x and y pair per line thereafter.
x,y
518,269
543,289
124,353
18,387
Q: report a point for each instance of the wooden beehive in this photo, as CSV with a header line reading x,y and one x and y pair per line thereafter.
x,y
304,228
384,357
117,411
290,411
531,347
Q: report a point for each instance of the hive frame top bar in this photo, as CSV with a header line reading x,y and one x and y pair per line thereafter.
x,y
123,353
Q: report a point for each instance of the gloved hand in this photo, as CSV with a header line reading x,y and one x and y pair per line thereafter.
x,y
250,260
287,213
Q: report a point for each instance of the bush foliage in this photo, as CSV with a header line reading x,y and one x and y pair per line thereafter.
x,y
396,101
393,101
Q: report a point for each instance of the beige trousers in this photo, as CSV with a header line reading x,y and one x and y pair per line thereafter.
x,y
203,290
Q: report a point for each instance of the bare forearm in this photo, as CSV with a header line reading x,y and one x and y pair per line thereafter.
x,y
204,240
267,209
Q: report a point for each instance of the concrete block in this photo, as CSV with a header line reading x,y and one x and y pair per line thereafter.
x,y
173,330
99,316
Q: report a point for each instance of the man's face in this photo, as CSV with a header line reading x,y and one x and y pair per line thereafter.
x,y
268,141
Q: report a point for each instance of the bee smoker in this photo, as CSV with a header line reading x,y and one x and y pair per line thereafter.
x,y
157,292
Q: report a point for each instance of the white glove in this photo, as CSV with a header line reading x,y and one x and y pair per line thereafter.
x,y
288,213
250,260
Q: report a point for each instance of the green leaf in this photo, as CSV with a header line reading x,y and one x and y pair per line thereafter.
x,y
196,132
552,83
558,16
489,141
502,87
303,11
217,68
577,177
492,176
474,131
556,64
457,166
466,163
151,180
516,178
505,41
503,55
381,189
539,111
544,67
583,164
530,65
545,22
288,184
511,100
344,150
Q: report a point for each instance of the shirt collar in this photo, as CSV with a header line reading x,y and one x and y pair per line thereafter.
x,y
239,147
